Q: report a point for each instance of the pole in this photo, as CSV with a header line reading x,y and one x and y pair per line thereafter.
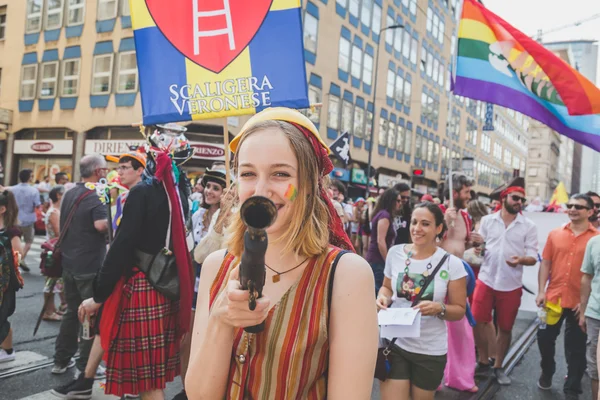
x,y
371,134
451,98
226,144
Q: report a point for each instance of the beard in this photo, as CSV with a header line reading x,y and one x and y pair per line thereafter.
x,y
459,204
514,209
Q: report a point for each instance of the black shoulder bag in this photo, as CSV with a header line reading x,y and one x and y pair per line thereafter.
x,y
383,367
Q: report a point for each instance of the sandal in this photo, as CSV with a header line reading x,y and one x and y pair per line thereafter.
x,y
62,309
54,317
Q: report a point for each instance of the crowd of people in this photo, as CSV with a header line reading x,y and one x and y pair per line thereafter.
x,y
164,297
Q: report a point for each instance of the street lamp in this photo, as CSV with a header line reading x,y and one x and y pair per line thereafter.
x,y
375,104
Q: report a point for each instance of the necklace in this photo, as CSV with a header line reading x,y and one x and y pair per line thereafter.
x,y
425,274
276,278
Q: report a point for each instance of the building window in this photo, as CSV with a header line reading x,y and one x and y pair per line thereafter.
x,y
413,51
356,61
354,7
125,8
391,142
347,110
533,172
376,18
497,151
54,14
442,32
49,80
34,16
311,32
107,9
368,69
398,40
365,15
429,144
389,34
128,73
436,26
400,139
102,74
368,125
419,147
399,92
344,59
441,75
2,22
406,46
408,141
436,69
28,81
391,77
383,126
314,97
70,78
333,112
359,122
436,152
343,3
407,93
413,7
507,157
429,66
423,58
76,10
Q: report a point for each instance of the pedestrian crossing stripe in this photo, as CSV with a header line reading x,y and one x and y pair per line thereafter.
x,y
97,394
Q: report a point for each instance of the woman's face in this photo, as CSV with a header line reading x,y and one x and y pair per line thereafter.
x,y
212,193
267,166
422,227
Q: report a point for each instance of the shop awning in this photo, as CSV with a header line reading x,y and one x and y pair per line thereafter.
x,y
363,187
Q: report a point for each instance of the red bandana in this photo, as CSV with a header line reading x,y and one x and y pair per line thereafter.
x,y
510,190
338,236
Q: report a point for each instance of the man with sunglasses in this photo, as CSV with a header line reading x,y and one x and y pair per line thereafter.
x,y
402,220
595,218
560,269
511,243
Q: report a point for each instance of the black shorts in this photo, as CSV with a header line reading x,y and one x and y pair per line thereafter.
x,y
424,371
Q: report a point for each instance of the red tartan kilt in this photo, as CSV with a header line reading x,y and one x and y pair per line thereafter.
x,y
144,355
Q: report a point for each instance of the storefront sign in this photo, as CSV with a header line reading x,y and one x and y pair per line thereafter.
x,y
388,181
50,147
204,151
340,174
359,176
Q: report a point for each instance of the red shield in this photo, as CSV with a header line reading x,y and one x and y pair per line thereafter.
x,y
206,31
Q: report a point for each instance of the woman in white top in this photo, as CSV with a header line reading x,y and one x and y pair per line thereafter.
x,y
417,364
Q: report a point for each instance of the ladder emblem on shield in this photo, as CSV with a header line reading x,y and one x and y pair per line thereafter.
x,y
227,31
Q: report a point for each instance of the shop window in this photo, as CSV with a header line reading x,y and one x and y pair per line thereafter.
x,y
107,9
365,15
70,78
2,22
314,97
128,73
356,61
359,122
347,110
368,69
383,129
76,10
311,32
28,82
49,80
33,17
333,112
125,11
344,56
102,74
391,135
54,14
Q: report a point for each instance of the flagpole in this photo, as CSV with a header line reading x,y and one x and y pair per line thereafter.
x,y
451,99
226,148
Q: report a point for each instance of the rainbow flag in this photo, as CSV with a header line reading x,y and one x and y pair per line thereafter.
x,y
201,59
498,64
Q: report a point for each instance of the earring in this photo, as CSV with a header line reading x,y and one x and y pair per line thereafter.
x,y
437,239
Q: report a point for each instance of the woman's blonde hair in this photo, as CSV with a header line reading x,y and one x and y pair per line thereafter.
x,y
308,233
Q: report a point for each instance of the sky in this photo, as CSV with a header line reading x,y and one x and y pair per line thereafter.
x,y
530,15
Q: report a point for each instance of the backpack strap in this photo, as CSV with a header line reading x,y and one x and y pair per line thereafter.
x,y
63,229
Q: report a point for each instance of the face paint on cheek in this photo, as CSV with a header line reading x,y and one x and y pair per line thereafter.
x,y
291,193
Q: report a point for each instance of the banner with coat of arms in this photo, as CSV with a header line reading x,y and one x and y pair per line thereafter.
x,y
201,59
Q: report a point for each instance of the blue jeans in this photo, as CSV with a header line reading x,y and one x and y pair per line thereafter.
x,y
378,268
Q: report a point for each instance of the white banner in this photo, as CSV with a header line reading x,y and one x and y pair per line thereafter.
x,y
389,181
50,147
204,151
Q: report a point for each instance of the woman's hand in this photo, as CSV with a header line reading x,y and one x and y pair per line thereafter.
x,y
231,307
382,302
429,308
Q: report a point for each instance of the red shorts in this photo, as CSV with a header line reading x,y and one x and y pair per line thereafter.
x,y
506,304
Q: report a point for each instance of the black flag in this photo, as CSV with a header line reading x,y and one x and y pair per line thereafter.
x,y
341,148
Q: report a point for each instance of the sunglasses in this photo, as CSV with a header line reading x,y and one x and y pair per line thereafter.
x,y
597,205
405,197
578,207
518,198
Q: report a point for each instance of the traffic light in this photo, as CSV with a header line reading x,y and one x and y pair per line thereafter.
x,y
418,172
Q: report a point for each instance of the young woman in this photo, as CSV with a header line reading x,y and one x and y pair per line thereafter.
x,y
382,232
417,364
54,285
356,225
10,278
320,332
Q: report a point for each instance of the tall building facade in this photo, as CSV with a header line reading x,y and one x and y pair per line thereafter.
x,y
586,164
69,87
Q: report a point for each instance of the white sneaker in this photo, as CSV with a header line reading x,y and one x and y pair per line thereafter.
x,y
5,357
59,369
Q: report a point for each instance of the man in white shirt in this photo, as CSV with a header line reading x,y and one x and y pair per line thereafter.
x,y
511,243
